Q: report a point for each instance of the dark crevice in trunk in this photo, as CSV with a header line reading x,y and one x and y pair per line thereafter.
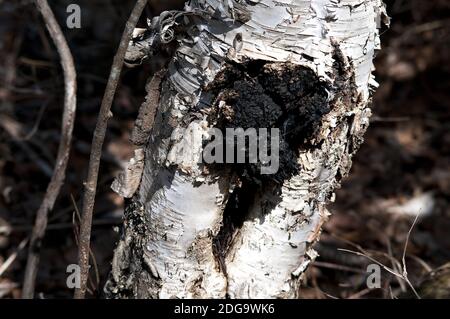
x,y
234,215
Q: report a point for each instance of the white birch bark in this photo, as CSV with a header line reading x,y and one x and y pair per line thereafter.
x,y
176,242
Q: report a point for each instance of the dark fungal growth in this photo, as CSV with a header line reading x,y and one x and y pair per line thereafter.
x,y
260,94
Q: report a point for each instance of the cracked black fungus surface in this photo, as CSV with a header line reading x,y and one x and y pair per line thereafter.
x,y
260,94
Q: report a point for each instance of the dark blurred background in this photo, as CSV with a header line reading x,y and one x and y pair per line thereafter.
x,y
402,169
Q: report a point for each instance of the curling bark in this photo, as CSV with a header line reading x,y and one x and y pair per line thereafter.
x,y
193,230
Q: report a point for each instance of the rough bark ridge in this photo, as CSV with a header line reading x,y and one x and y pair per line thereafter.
x,y
224,230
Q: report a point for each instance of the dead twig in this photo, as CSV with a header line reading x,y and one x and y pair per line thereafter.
x,y
62,158
76,218
395,264
404,275
90,186
405,272
338,267
8,262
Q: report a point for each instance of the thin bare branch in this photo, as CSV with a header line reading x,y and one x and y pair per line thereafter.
x,y
96,148
404,275
76,219
59,173
8,262
405,272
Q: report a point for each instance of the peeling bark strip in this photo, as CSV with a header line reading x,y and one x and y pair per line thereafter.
x,y
147,112
214,231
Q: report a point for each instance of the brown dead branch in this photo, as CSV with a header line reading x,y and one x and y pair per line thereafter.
x,y
10,260
63,151
393,271
90,186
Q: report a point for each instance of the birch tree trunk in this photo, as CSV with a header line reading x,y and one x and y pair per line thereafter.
x,y
197,230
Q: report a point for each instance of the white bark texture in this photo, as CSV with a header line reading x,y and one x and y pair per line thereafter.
x,y
218,231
